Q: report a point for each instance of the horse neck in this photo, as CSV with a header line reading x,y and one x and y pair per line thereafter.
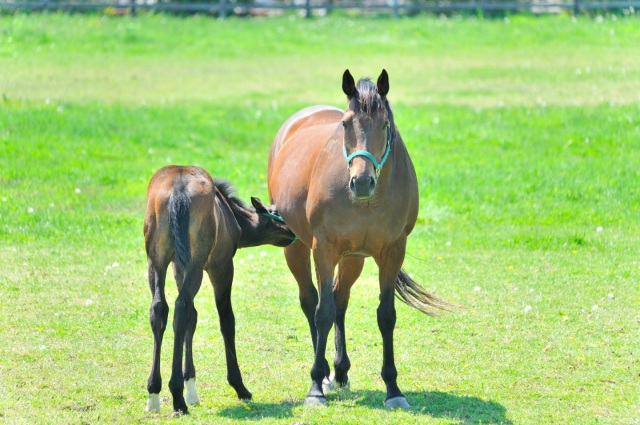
x,y
251,234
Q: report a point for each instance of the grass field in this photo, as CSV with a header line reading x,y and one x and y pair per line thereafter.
x,y
525,133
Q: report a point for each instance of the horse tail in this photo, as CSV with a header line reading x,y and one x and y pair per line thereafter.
x,y
179,203
411,293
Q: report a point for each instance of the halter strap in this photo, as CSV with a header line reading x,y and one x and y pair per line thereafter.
x,y
277,217
377,165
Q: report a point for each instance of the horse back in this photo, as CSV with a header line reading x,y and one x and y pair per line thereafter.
x,y
310,117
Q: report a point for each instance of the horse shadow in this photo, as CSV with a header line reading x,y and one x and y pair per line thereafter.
x,y
463,410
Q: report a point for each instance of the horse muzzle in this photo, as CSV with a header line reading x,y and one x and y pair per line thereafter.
x,y
362,187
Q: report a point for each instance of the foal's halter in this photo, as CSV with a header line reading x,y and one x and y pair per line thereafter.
x,y
276,217
367,154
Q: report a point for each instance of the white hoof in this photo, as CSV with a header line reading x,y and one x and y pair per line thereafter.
x,y
153,403
191,396
327,385
315,401
344,387
333,385
397,403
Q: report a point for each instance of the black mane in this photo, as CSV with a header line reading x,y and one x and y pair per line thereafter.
x,y
227,190
369,99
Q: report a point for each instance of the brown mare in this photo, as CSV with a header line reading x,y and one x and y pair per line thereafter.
x,y
345,185
198,225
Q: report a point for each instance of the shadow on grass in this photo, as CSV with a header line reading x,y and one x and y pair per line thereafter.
x,y
466,410
251,411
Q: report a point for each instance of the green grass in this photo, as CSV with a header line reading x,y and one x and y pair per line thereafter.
x,y
524,134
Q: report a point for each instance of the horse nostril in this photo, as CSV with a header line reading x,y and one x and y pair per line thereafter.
x,y
372,183
352,183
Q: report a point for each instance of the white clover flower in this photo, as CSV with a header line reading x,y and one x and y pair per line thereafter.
x,y
527,309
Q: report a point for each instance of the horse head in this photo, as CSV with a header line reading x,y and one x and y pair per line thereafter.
x,y
368,127
270,227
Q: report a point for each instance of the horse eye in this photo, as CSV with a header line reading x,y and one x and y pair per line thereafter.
x,y
344,124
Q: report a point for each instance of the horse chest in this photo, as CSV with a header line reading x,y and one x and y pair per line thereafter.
x,y
358,230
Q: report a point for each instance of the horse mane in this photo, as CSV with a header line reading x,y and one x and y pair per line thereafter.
x,y
227,190
369,101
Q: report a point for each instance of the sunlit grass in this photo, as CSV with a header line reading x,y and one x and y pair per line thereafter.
x,y
529,214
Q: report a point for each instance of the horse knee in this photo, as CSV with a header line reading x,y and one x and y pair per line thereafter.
x,y
386,319
159,312
325,316
182,313
193,317
308,301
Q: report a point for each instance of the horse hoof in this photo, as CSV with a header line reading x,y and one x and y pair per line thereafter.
x,y
153,403
340,386
397,403
243,394
327,385
179,413
331,384
191,396
315,401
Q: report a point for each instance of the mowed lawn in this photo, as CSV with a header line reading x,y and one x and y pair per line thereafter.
x,y
525,134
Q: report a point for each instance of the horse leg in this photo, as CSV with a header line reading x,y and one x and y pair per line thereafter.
x,y
221,276
325,315
189,371
158,312
181,319
348,271
389,266
298,258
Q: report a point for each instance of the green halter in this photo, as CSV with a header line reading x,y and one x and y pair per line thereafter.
x,y
366,154
277,217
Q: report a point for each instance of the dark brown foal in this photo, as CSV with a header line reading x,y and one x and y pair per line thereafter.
x,y
198,225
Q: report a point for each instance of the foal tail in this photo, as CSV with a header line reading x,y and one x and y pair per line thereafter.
x,y
179,203
411,293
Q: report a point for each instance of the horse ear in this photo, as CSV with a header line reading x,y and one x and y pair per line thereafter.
x,y
348,84
257,204
383,83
